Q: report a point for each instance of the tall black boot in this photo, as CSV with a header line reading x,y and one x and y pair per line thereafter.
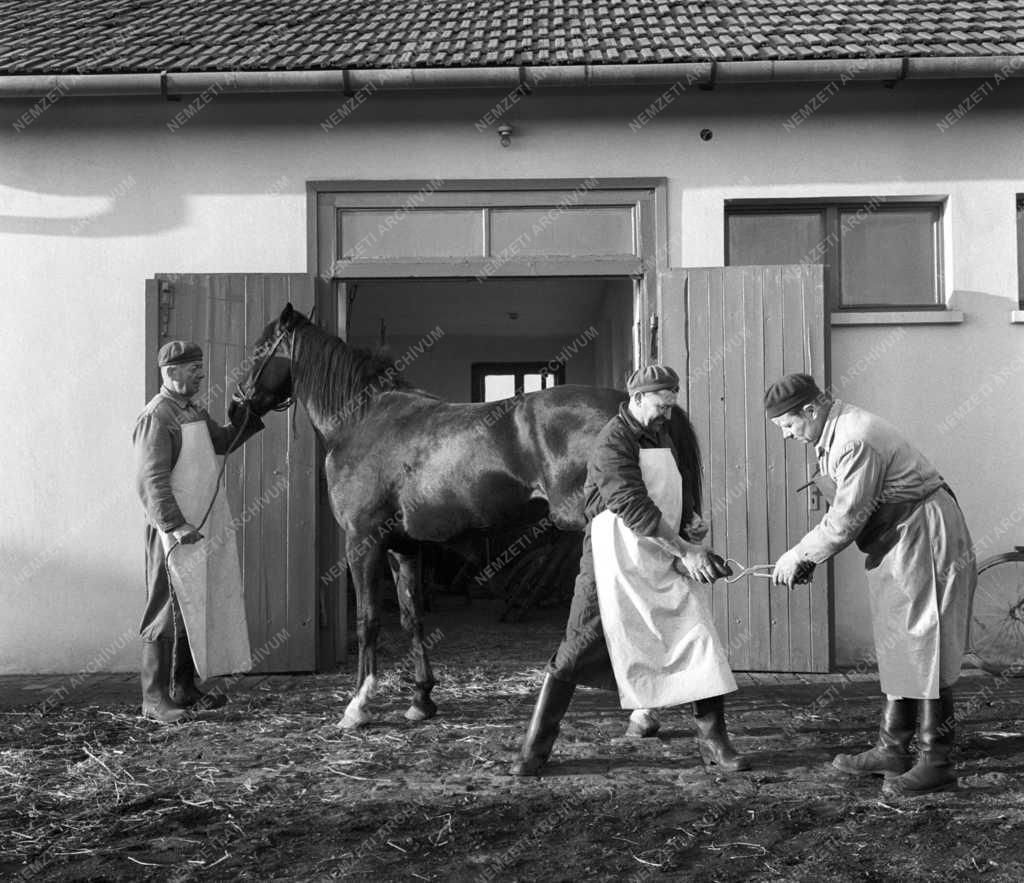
x,y
891,754
934,770
184,691
712,738
155,674
552,703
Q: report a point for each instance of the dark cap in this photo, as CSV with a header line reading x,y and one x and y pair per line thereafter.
x,y
652,378
791,392
179,352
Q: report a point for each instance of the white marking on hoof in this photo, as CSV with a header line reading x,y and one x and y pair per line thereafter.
x,y
643,722
413,713
356,713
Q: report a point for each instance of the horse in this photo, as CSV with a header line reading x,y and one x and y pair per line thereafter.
x,y
405,467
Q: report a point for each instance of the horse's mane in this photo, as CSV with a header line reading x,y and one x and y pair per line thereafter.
x,y
335,379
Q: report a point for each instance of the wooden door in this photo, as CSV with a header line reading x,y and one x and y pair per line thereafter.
x,y
731,331
271,482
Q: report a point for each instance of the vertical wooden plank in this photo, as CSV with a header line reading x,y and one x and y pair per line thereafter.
x,y
272,499
715,460
234,336
672,328
734,473
820,600
152,331
252,528
777,498
751,346
698,288
794,335
301,501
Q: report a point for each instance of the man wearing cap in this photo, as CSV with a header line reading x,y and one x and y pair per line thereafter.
x,y
638,624
889,499
170,424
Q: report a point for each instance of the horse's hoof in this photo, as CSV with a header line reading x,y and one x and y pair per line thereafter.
x,y
354,721
418,713
642,726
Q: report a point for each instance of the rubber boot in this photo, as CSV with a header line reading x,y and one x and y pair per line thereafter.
x,y
643,723
156,679
892,752
936,738
184,691
712,738
552,703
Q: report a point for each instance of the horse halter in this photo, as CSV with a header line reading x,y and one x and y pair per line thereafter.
x,y
245,395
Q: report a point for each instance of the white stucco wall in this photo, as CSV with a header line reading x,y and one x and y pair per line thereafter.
x,y
96,196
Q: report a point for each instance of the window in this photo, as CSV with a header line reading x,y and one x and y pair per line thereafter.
x,y
878,254
502,380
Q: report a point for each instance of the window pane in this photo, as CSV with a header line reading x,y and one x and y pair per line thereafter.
x,y
549,380
531,382
887,258
499,386
776,238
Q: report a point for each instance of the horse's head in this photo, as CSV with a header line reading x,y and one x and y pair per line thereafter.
x,y
268,386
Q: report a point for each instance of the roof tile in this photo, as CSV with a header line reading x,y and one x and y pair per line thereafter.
x,y
102,36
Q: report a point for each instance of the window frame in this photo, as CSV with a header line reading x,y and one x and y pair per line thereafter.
x,y
1019,219
832,258
479,370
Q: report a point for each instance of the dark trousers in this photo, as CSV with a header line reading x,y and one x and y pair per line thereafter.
x,y
158,620
582,657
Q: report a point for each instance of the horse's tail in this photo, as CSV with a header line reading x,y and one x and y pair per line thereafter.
x,y
690,467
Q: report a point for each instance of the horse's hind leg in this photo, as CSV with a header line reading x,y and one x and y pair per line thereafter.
x,y
407,583
363,557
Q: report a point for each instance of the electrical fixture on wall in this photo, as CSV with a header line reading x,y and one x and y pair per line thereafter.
x,y
505,134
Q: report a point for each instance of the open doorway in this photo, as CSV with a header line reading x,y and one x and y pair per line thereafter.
x,y
491,340
580,327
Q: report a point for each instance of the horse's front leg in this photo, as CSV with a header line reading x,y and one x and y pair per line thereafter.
x,y
364,553
407,583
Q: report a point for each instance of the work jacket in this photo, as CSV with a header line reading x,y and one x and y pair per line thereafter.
x,y
614,480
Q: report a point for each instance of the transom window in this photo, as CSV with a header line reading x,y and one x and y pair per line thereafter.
x,y
502,380
878,254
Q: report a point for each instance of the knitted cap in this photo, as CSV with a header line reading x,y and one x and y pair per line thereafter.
x,y
179,352
652,378
791,392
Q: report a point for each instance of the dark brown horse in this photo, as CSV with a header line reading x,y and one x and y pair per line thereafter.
x,y
404,466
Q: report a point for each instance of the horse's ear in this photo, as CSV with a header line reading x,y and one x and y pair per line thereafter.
x,y
286,314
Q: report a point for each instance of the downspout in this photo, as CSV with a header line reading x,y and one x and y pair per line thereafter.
x,y
568,76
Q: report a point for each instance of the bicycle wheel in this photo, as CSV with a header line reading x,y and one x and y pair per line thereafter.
x,y
997,623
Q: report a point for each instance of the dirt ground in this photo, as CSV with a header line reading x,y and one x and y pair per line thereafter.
x,y
270,789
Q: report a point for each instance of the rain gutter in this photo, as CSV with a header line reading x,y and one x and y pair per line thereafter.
x,y
706,74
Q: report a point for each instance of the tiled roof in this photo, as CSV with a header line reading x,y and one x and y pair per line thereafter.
x,y
118,36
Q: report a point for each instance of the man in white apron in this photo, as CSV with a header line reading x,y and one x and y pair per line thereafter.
x,y
638,624
194,613
886,496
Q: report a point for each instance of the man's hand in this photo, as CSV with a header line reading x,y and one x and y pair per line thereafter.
x,y
186,535
791,569
701,564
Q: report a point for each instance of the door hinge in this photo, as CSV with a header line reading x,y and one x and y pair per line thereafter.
x,y
654,338
166,304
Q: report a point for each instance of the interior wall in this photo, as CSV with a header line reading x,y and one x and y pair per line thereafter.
x,y
444,368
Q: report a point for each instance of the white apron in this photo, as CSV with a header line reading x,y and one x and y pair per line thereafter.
x,y
205,576
661,639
